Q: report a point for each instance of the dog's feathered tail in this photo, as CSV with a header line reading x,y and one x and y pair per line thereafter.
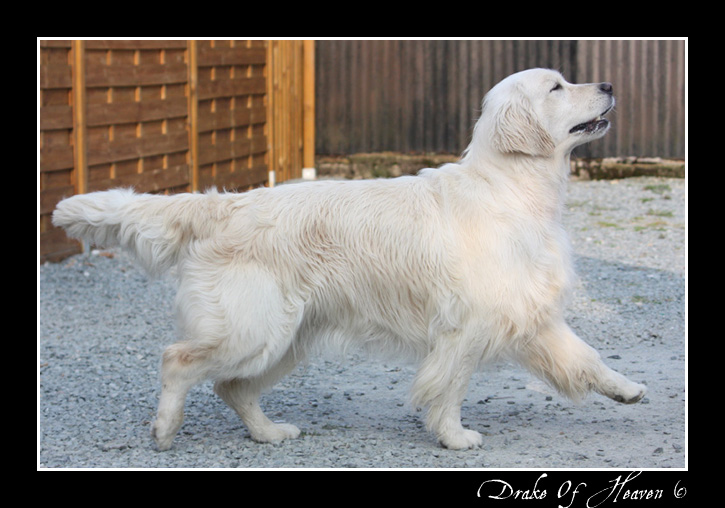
x,y
154,228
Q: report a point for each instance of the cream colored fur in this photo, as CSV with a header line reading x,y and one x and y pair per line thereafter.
x,y
455,267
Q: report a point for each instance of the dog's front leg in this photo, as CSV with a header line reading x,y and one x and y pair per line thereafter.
x,y
440,386
574,368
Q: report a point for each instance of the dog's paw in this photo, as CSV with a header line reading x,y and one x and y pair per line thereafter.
x,y
462,440
617,387
162,438
633,393
275,433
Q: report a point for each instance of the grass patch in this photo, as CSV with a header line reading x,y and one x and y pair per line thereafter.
x,y
658,188
656,225
660,213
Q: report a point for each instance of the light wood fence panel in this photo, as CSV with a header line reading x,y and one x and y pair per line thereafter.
x,y
57,177
231,113
165,116
136,115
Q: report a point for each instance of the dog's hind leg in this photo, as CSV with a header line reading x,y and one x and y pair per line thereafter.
x,y
242,395
574,368
182,368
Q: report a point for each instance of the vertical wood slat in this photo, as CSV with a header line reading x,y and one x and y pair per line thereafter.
x,y
308,100
286,104
79,118
193,106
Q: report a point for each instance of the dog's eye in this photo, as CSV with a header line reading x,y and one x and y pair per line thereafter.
x,y
557,87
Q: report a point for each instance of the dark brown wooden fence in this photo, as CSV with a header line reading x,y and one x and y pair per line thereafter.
x,y
425,96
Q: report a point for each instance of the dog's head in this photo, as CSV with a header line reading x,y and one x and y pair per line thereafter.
x,y
538,113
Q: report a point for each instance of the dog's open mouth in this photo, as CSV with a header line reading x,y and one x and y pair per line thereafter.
x,y
592,126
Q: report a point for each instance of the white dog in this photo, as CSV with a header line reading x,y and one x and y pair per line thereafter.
x,y
457,266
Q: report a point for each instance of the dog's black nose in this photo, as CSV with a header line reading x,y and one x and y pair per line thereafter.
x,y
606,88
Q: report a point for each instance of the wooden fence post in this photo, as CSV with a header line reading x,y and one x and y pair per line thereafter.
x,y
193,116
308,90
290,107
79,117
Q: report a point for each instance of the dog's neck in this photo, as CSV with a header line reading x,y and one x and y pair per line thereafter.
x,y
538,182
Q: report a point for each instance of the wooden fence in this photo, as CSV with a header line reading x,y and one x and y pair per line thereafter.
x,y
425,96
169,116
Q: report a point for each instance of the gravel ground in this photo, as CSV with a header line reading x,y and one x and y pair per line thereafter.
x,y
103,325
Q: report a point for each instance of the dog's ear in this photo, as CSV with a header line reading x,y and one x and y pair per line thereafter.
x,y
517,130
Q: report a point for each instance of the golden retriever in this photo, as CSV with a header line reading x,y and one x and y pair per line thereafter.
x,y
454,267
